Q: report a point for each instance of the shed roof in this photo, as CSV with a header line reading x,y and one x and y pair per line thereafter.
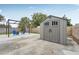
x,y
50,16
63,18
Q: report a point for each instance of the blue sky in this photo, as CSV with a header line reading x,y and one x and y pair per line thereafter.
x,y
16,11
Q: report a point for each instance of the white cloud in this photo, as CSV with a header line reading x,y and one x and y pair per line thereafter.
x,y
0,10
31,7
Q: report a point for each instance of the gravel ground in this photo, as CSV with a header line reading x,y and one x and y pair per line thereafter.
x,y
33,45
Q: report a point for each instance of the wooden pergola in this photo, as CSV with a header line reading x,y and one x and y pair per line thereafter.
x,y
8,23
15,22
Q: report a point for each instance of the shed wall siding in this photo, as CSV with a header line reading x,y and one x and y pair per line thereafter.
x,y
41,31
63,32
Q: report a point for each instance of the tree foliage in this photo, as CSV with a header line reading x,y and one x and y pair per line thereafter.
x,y
37,18
1,17
69,22
23,23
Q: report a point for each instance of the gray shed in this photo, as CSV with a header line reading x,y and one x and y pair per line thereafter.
x,y
54,29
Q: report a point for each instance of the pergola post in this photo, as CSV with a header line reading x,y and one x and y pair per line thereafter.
x,y
29,27
8,27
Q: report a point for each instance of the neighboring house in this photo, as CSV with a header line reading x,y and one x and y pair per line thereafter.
x,y
54,29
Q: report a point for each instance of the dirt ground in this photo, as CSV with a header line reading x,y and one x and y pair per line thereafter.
x,y
33,45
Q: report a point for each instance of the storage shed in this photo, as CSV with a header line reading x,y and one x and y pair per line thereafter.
x,y
54,29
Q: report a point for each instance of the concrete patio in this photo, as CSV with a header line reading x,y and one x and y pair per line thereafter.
x,y
31,44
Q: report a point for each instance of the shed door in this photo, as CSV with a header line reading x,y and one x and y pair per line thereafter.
x,y
46,30
54,31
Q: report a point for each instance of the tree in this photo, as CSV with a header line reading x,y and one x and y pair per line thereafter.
x,y
23,23
37,18
1,17
69,22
